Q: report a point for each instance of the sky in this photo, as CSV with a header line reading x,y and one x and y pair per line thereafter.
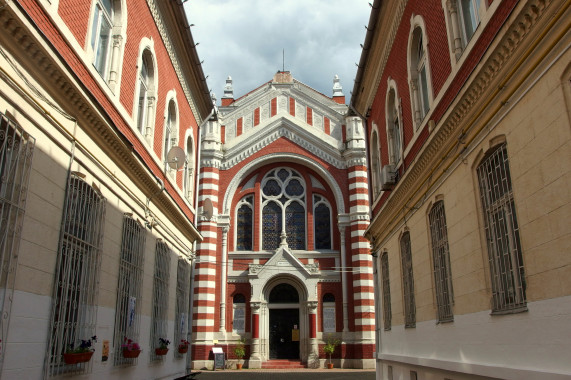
x,y
250,40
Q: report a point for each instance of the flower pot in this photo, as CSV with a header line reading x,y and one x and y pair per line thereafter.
x,y
131,353
182,349
161,351
238,365
74,358
329,365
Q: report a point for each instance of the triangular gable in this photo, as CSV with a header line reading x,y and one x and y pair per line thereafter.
x,y
283,261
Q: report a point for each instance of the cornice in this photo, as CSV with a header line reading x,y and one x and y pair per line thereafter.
x,y
485,86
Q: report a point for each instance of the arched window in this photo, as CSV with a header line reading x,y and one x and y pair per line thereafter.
x,y
441,262
106,39
463,17
419,73
171,128
408,281
502,231
245,221
283,293
283,211
239,313
322,222
146,95
375,162
394,135
189,170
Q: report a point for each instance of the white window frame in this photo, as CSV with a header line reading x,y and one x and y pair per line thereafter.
x,y
416,62
189,167
170,130
393,112
375,152
458,38
144,123
128,309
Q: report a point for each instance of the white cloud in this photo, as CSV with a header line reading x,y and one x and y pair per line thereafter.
x,y
245,39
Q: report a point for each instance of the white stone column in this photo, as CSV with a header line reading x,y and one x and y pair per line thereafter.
x,y
224,263
343,253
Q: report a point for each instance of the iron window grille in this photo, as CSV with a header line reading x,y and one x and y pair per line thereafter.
x,y
16,151
387,313
182,298
160,296
502,233
74,308
441,263
128,309
408,281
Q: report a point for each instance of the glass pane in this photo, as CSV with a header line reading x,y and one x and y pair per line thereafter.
x,y
322,220
272,188
295,226
271,225
294,188
108,6
424,91
283,174
244,233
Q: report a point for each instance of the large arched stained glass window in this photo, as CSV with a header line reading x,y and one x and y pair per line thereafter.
x,y
322,223
283,210
245,221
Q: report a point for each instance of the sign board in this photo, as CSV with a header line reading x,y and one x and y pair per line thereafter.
x,y
295,335
218,357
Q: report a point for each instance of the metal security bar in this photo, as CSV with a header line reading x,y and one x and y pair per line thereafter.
x,y
160,296
387,313
128,309
502,233
74,307
408,281
182,294
16,151
441,262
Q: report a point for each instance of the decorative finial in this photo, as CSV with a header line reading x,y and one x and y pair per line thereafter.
x,y
228,89
337,89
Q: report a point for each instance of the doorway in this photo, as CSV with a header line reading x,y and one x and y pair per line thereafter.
x,y
284,333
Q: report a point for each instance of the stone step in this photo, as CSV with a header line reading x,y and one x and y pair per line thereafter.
x,y
282,364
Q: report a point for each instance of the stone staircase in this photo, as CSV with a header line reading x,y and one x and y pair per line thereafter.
x,y
283,364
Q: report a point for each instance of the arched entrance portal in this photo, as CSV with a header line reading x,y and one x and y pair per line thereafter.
x,y
283,305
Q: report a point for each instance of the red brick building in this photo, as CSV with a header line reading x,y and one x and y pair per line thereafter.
x,y
284,203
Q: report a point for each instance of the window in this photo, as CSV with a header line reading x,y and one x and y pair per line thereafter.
x,y
74,308
375,163
441,262
182,298
171,129
160,296
283,196
408,281
146,95
106,39
322,222
239,311
16,151
189,170
393,128
502,232
329,325
245,222
128,309
462,17
419,74
387,314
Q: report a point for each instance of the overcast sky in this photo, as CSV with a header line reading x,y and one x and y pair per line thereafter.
x,y
245,39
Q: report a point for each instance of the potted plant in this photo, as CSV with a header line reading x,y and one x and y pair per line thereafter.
x,y
80,354
239,351
130,348
329,348
163,347
183,346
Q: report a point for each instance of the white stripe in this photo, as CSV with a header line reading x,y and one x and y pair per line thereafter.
x,y
209,234
358,185
205,297
363,296
207,247
208,186
204,309
355,197
209,175
205,284
204,322
356,233
358,173
361,257
365,322
364,309
364,283
361,245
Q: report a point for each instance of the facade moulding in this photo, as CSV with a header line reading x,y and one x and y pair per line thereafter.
x,y
486,91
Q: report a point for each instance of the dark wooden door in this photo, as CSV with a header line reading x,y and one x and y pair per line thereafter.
x,y
282,323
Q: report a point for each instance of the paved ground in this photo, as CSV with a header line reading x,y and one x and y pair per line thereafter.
x,y
297,374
